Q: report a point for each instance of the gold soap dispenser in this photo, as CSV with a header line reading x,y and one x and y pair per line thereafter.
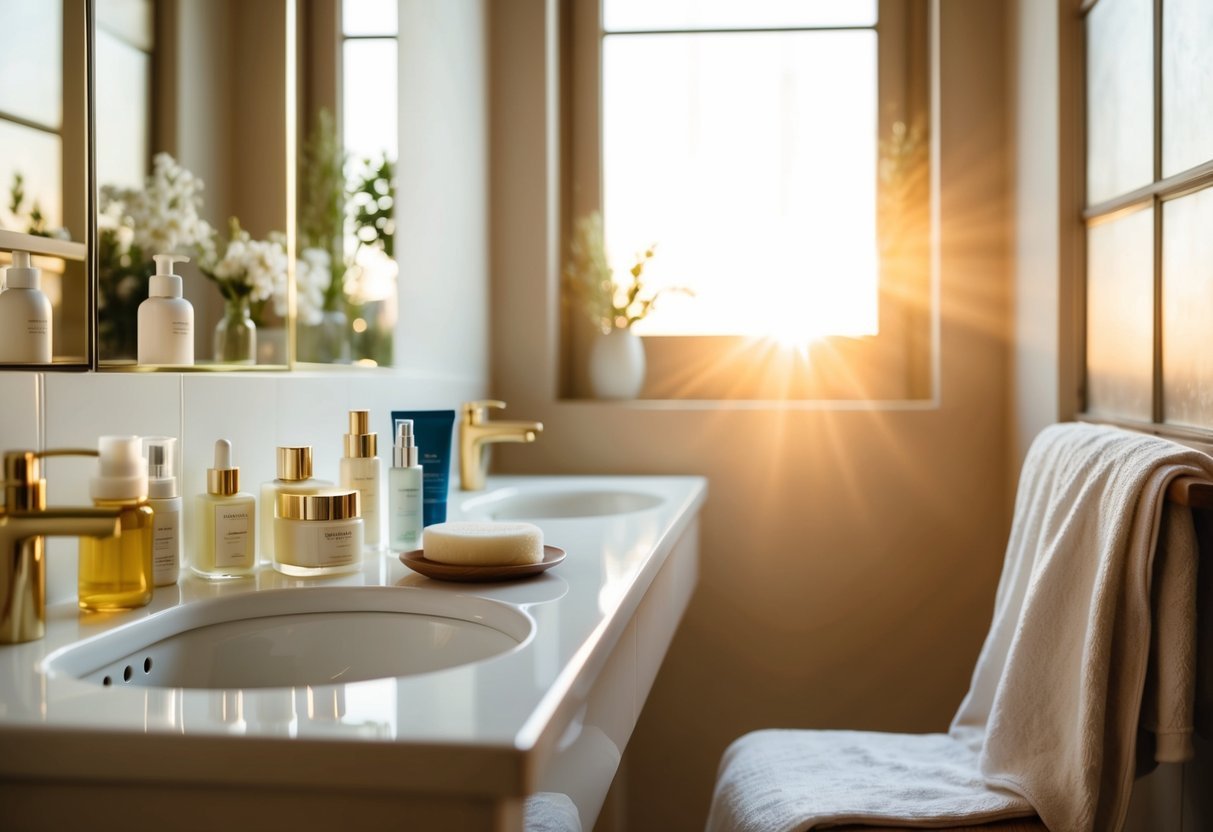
x,y
226,518
115,573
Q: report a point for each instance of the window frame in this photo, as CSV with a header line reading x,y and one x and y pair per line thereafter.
x,y
1153,196
899,364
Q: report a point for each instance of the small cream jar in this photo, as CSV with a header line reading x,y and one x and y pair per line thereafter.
x,y
317,534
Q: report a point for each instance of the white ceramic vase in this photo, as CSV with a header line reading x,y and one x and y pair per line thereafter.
x,y
617,365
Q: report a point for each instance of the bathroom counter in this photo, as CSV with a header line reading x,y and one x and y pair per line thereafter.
x,y
456,748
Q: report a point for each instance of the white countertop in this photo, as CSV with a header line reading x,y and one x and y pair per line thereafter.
x,y
502,716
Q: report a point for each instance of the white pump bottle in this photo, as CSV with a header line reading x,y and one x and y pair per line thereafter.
x,y
25,315
166,319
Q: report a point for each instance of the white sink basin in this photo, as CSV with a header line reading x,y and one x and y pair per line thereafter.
x,y
516,504
298,637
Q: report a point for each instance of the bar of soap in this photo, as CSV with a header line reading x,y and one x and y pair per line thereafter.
x,y
467,543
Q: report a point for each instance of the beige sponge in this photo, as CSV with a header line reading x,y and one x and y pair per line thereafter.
x,y
484,544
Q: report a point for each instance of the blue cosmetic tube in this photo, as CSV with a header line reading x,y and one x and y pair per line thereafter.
x,y
432,429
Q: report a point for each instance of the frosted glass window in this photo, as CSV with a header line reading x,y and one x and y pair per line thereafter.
x,y
632,15
128,20
369,17
369,100
1120,317
1187,84
1120,98
37,157
1187,309
123,104
31,61
750,160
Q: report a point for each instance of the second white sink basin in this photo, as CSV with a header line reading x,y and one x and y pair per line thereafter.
x,y
298,637
516,504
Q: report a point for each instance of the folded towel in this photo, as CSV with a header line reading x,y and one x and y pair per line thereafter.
x,y
1050,721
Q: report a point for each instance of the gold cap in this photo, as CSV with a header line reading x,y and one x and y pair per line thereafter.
x,y
222,482
295,463
360,442
331,505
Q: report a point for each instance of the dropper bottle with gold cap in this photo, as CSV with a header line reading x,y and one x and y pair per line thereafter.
x,y
226,519
360,472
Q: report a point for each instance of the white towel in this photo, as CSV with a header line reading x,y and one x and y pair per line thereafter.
x,y
1050,721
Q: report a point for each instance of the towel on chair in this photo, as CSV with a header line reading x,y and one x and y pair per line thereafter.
x,y
1049,725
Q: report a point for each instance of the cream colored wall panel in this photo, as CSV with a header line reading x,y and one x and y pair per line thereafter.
x,y
1120,103
1187,84
20,420
1120,317
1187,309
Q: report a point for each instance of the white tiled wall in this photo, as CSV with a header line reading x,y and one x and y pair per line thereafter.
x,y
256,411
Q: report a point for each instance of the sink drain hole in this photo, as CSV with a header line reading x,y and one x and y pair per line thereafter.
x,y
147,665
107,681
126,674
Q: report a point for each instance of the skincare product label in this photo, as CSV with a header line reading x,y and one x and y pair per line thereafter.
x,y
166,526
233,538
323,545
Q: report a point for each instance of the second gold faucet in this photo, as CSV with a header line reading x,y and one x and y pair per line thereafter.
x,y
476,431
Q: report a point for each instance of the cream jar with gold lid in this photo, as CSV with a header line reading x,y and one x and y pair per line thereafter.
x,y
294,469
318,534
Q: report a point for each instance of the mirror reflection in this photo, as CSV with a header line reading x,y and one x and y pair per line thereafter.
x,y
346,297
43,187
191,121
192,160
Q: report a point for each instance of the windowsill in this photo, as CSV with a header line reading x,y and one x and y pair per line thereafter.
x,y
834,405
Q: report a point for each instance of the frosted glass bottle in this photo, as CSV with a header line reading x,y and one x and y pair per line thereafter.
x,y
404,491
115,573
25,315
360,472
226,519
166,319
294,468
166,503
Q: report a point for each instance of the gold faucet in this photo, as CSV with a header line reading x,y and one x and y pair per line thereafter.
x,y
476,431
24,522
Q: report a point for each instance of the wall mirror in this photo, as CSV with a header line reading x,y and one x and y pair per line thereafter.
x,y
44,178
346,284
194,157
222,127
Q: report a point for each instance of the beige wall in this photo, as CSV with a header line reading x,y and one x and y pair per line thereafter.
x,y
849,556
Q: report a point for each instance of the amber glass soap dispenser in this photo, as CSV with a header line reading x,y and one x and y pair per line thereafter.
x,y
115,573
226,519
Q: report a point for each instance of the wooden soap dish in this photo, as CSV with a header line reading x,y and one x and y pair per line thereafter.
x,y
417,561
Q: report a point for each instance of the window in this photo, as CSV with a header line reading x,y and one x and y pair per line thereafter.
x,y
1149,166
776,154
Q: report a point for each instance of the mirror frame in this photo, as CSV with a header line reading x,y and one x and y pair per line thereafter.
x,y
70,249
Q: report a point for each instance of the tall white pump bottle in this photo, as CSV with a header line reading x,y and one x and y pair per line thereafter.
x,y
25,315
166,319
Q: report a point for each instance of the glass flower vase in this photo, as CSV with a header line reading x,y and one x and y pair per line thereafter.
x,y
326,342
236,334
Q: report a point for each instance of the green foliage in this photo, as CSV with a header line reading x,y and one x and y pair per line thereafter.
x,y
373,199
34,218
591,281
322,200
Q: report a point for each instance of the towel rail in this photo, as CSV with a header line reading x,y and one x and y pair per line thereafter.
x,y
1191,491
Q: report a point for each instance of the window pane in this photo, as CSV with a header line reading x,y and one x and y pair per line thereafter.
x,y
129,21
1187,309
123,104
625,15
31,61
750,159
37,157
1187,84
369,17
1120,317
369,78
1120,98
